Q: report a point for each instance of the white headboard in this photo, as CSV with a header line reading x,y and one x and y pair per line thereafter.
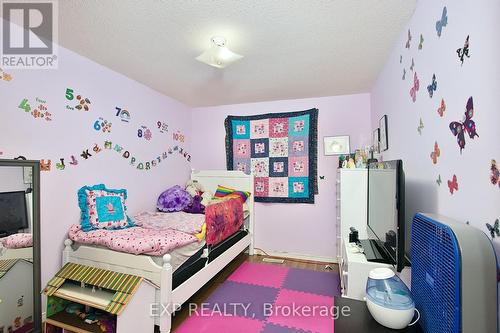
x,y
238,180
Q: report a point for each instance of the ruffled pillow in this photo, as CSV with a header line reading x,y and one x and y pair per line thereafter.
x,y
103,208
174,199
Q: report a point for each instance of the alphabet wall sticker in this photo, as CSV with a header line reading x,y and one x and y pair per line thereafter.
x,y
45,165
82,103
38,109
123,114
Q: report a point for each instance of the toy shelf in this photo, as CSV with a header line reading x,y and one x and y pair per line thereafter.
x,y
71,322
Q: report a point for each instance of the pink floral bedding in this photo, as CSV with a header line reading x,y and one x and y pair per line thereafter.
x,y
17,241
135,240
180,221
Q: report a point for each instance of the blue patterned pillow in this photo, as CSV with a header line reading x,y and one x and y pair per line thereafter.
x,y
103,208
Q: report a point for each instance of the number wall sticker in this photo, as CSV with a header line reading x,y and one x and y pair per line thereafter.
x,y
123,114
38,111
144,132
178,136
82,103
103,125
4,76
162,126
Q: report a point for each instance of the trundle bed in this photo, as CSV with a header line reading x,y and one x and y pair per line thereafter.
x,y
175,288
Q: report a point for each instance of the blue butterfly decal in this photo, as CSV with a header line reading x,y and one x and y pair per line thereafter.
x,y
443,22
431,88
493,229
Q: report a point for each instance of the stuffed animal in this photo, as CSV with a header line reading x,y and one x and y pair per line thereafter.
x,y
194,188
195,207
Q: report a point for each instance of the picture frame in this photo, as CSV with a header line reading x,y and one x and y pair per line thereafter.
x,y
376,141
336,145
383,134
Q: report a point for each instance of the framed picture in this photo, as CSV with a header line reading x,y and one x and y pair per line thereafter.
x,y
384,136
376,141
336,145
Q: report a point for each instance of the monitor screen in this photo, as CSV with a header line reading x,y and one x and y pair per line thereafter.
x,y
13,212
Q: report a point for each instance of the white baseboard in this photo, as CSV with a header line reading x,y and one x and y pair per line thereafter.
x,y
296,256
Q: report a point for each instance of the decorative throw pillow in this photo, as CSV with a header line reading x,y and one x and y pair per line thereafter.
x,y
227,192
174,199
103,208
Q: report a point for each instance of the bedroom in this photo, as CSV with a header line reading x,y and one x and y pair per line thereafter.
x,y
127,104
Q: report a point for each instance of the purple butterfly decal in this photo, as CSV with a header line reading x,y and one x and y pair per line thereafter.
x,y
468,126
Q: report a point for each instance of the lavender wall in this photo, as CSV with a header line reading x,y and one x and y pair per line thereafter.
x,y
477,200
297,229
71,131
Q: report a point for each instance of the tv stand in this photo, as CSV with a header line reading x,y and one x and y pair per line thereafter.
x,y
374,252
354,268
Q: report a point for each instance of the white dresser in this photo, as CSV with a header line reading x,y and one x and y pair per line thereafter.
x,y
352,206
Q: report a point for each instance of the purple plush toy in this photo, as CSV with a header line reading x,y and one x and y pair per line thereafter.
x,y
174,199
195,207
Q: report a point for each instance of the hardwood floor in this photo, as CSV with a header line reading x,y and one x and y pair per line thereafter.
x,y
210,287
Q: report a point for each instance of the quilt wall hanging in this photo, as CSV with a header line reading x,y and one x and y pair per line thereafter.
x,y
280,149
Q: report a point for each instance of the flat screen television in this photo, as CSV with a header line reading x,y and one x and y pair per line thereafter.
x,y
386,211
13,212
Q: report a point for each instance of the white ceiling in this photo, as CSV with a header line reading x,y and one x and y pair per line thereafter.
x,y
292,48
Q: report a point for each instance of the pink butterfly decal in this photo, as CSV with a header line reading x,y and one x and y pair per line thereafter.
x,y
442,108
495,173
453,184
436,153
468,126
415,88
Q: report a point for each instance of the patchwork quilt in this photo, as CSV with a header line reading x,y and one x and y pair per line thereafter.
x,y
280,149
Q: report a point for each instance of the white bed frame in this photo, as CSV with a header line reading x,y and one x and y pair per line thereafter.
x,y
161,276
23,253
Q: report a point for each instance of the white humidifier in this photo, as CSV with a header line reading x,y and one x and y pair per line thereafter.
x,y
389,300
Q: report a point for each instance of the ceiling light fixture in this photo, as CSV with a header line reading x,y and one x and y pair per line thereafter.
x,y
218,55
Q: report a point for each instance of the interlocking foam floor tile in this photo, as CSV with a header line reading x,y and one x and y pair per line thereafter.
x,y
272,328
315,311
260,274
250,296
220,324
321,283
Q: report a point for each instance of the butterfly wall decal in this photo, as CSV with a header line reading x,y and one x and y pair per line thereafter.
x,y
322,177
431,88
404,74
409,40
495,173
464,51
441,109
443,22
415,88
453,184
493,229
421,44
400,59
468,126
412,66
438,180
420,127
436,153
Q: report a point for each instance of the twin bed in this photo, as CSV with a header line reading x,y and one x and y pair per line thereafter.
x,y
195,264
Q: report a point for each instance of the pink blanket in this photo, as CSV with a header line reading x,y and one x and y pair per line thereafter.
x,y
134,240
17,241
